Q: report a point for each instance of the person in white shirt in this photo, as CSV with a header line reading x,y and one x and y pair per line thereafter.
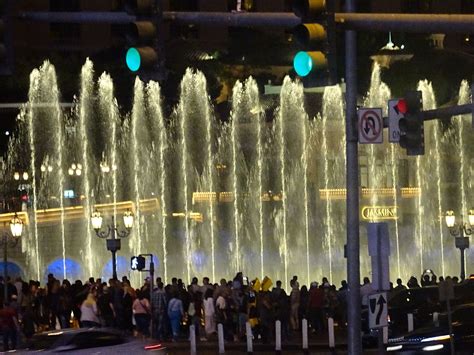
x,y
366,290
209,313
89,312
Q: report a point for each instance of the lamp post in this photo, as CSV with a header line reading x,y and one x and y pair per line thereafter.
x,y
10,240
114,242
458,231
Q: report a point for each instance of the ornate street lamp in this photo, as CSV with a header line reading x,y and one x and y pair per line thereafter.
x,y
114,242
10,240
458,231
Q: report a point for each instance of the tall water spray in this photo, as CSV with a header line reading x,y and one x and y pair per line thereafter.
x,y
32,100
139,134
85,111
333,171
153,92
291,221
45,127
466,155
110,116
432,221
197,163
246,176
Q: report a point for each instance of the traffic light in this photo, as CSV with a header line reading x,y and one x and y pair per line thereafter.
x,y
143,54
6,47
412,136
316,63
137,263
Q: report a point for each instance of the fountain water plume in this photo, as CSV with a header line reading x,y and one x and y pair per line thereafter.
x,y
47,133
465,156
85,111
333,167
158,127
261,195
433,149
246,178
197,163
138,135
291,122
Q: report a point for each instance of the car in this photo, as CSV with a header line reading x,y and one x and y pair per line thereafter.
x,y
79,340
421,302
436,336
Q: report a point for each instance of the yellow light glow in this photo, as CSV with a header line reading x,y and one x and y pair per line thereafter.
x,y
379,213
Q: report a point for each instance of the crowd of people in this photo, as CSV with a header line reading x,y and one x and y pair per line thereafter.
x,y
166,312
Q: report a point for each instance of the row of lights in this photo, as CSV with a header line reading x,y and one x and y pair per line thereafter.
x,y
105,168
24,175
74,169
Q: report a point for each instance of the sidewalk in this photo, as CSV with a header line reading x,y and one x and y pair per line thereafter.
x,y
317,344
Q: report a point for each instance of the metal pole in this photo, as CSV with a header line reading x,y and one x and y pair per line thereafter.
x,y
463,269
443,113
152,276
415,23
114,265
78,17
447,112
352,183
5,269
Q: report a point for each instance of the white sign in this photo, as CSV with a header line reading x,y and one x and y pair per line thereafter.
x,y
378,310
395,112
370,125
379,251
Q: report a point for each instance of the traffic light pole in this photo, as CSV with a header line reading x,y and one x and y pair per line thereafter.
x,y
352,184
442,113
414,23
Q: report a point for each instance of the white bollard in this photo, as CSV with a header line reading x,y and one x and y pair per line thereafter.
x,y
304,330
248,331
410,322
436,319
192,339
385,335
220,335
332,343
277,335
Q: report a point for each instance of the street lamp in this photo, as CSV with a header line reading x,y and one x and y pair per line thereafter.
x,y
458,231
10,240
24,175
113,243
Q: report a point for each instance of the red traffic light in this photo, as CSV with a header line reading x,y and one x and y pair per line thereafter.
x,y
401,106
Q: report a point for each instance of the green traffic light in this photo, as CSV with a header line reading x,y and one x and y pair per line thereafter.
x,y
133,59
302,63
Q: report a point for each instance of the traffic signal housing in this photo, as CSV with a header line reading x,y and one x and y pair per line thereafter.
x,y
6,46
412,136
316,63
137,263
143,51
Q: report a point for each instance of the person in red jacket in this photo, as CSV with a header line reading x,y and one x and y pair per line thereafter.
x,y
315,307
8,326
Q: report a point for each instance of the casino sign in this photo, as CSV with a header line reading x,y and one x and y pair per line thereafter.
x,y
379,213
